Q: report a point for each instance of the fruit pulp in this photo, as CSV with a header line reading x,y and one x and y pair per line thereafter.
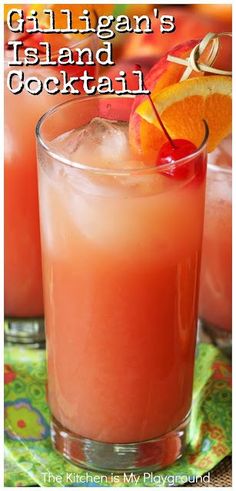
x,y
121,257
216,271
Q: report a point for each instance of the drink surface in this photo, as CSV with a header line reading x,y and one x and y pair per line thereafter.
x,y
216,271
121,256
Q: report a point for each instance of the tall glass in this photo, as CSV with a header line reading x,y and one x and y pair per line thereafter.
x,y
121,253
216,272
23,276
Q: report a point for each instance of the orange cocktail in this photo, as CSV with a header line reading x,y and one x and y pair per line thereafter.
x,y
216,273
23,276
121,246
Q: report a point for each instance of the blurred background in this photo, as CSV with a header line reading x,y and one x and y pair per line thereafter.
x,y
192,22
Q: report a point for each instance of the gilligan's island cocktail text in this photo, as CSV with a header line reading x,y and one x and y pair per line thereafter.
x,y
105,27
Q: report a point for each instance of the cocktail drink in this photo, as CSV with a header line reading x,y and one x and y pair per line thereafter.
x,y
23,276
121,247
216,272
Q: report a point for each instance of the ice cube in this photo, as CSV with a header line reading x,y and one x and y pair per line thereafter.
x,y
101,143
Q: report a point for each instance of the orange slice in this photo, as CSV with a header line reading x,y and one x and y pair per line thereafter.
x,y
161,75
184,105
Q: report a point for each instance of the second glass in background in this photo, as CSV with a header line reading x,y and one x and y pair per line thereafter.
x,y
23,276
215,308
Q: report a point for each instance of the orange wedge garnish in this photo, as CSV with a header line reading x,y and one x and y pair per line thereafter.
x,y
164,73
184,105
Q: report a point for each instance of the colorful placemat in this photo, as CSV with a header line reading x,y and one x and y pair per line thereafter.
x,y
221,475
30,459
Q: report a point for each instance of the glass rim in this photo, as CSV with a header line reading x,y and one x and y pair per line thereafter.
x,y
109,171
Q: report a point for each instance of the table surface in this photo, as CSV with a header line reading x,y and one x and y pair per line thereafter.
x,y
220,476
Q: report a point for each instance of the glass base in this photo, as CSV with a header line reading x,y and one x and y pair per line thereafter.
x,y
219,337
27,332
120,457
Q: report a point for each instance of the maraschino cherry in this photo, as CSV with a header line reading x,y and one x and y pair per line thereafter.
x,y
174,149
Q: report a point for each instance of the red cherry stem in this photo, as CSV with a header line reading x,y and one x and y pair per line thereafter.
x,y
158,115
